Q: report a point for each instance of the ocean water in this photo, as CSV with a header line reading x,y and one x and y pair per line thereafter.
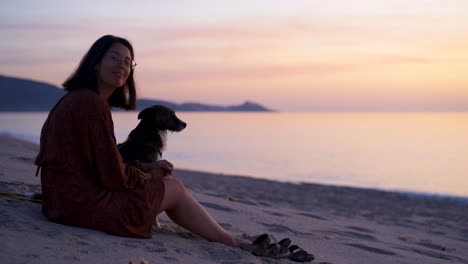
x,y
416,152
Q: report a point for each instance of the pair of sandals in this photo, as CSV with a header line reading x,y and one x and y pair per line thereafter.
x,y
266,246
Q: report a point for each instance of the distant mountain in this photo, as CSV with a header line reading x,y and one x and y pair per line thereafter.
x,y
197,107
27,95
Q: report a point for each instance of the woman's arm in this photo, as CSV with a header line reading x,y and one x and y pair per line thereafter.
x,y
105,158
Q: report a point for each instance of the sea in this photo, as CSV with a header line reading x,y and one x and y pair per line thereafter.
x,y
421,153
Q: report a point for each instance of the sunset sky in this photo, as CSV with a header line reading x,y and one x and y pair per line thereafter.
x,y
289,55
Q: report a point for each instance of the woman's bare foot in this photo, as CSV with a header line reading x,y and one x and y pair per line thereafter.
x,y
244,244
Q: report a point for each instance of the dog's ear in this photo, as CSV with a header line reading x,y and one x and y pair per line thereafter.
x,y
146,113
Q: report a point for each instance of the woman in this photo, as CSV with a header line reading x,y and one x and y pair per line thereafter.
x,y
84,180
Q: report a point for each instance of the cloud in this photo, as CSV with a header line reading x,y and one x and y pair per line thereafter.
x,y
246,73
39,27
386,59
272,32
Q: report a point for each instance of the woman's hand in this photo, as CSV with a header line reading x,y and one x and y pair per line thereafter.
x,y
159,168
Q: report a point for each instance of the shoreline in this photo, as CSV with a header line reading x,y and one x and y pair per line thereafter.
x,y
441,196
434,195
336,224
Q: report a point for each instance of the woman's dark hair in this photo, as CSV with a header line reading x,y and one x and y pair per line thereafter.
x,y
85,74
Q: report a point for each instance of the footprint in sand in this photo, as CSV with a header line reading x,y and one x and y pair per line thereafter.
x,y
359,235
217,207
132,243
361,229
247,202
372,249
23,158
275,228
399,222
77,239
352,234
434,254
31,256
157,243
54,234
265,204
153,249
170,259
313,216
274,213
71,258
180,251
232,254
362,233
430,245
436,251
22,226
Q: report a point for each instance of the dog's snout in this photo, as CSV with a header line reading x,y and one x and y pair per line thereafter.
x,y
181,126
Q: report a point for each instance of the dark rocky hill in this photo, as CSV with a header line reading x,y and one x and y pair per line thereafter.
x,y
28,95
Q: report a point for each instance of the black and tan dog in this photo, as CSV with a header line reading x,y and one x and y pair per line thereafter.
x,y
146,142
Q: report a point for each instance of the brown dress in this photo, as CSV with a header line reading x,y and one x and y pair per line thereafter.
x,y
84,180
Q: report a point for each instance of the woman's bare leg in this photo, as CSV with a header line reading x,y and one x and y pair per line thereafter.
x,y
185,211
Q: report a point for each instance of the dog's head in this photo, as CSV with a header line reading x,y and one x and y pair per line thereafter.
x,y
162,117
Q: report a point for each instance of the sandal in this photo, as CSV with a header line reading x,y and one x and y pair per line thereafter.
x,y
276,251
285,242
260,244
297,254
261,247
282,250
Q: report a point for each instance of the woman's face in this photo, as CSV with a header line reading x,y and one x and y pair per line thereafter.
x,y
115,66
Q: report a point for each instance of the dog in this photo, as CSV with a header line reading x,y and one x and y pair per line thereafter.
x,y
147,141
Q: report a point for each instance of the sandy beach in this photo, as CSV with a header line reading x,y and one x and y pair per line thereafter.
x,y
338,225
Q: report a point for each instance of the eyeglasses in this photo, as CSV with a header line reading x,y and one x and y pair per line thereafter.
x,y
117,59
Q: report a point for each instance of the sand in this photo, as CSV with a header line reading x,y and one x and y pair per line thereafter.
x,y
336,224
